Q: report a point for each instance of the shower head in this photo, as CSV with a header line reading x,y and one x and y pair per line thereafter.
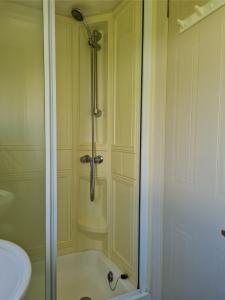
x,y
93,37
77,15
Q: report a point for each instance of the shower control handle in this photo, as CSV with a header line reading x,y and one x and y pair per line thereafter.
x,y
85,159
98,159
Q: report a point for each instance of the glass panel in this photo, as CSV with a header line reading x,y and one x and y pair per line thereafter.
x,y
22,170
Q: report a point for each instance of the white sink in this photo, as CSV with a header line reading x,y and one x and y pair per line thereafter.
x,y
6,199
15,271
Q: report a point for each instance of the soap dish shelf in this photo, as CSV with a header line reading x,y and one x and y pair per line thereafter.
x,y
92,224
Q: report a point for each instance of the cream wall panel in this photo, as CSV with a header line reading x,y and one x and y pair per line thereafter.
x,y
124,113
64,161
22,125
194,160
21,117
84,104
130,165
124,164
65,208
123,219
90,241
117,163
125,206
65,118
125,137
211,97
185,115
64,82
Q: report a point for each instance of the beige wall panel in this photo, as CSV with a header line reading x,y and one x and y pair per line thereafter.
x,y
124,119
186,83
64,68
125,141
124,164
91,241
22,121
64,161
122,219
64,82
65,208
130,165
194,159
124,224
117,163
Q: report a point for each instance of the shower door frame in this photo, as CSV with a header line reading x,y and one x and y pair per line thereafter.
x,y
50,149
153,145
146,173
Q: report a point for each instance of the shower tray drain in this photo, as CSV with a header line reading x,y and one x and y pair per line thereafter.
x,y
85,298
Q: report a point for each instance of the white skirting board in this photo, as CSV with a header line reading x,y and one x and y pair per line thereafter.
x,y
200,13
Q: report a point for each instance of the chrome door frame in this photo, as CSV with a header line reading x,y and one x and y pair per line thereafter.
x,y
50,149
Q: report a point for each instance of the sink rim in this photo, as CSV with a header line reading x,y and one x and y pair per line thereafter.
x,y
17,251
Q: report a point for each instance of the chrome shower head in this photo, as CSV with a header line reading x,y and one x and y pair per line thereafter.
x,y
77,15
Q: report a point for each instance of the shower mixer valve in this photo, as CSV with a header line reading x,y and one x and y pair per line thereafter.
x,y
87,159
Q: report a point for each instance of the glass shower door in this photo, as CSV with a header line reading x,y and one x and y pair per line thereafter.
x,y
22,134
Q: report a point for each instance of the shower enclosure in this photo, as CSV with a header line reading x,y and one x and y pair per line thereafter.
x,y
96,116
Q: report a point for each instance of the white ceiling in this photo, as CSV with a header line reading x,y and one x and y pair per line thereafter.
x,y
64,7
88,7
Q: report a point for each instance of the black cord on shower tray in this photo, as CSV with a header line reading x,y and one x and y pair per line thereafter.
x,y
122,276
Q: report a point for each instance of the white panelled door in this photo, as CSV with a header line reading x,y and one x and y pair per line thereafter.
x,y
194,205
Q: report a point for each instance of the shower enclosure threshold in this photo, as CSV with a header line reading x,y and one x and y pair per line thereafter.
x,y
81,275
